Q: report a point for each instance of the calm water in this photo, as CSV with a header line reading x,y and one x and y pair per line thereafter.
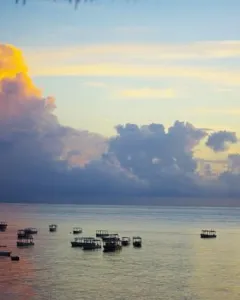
x,y
174,262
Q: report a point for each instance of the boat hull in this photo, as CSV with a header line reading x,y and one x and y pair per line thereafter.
x,y
5,253
76,244
24,244
137,245
15,258
206,236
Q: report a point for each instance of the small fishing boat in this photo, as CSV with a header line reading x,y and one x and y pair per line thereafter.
x,y
111,235
137,242
126,241
91,244
15,258
112,244
31,230
25,241
77,230
21,234
208,234
102,233
5,253
78,242
3,226
52,227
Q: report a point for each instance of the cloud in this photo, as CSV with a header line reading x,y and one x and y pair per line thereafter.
x,y
219,141
148,93
139,60
199,50
41,160
158,156
223,76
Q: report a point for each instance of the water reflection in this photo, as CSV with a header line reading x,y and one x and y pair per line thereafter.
x,y
174,263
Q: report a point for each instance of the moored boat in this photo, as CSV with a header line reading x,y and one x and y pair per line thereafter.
x,y
208,234
52,227
78,242
15,258
111,235
137,242
21,234
5,253
25,241
30,230
91,244
126,241
3,226
112,244
77,230
102,233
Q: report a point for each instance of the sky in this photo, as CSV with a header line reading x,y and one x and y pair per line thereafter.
x,y
112,63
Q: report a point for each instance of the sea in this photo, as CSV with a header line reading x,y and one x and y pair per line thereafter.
x,y
173,263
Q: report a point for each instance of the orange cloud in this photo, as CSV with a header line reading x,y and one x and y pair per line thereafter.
x,y
16,87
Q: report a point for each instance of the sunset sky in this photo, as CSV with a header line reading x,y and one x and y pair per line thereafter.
x,y
140,62
143,61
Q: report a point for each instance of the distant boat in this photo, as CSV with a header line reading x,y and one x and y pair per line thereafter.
x,y
77,230
79,241
15,258
112,244
25,241
91,244
30,230
5,253
126,241
137,242
111,235
102,233
52,227
208,234
3,226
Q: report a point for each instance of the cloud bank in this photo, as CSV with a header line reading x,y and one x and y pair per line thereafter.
x,y
41,160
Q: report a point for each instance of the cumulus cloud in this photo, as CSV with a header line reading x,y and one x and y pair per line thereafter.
x,y
32,142
219,141
41,160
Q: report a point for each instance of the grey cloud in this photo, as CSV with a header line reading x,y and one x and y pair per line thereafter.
x,y
219,141
41,160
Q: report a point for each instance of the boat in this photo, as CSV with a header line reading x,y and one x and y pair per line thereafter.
x,y
111,235
208,234
5,253
112,244
91,244
126,241
77,230
21,234
31,230
78,242
3,246
3,226
15,258
25,241
52,227
102,233
137,242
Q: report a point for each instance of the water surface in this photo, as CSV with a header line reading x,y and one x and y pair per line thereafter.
x,y
174,263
